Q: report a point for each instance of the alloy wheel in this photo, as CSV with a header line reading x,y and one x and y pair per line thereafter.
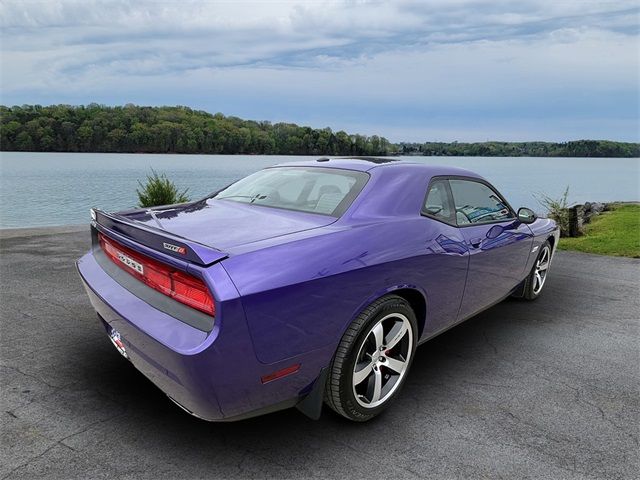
x,y
541,269
383,360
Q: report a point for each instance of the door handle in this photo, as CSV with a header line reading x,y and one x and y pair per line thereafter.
x,y
475,242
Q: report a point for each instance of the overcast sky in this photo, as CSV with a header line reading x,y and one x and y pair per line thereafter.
x,y
409,70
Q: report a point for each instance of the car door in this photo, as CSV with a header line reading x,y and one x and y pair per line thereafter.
x,y
445,262
499,245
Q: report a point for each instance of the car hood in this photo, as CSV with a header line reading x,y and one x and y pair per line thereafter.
x,y
224,224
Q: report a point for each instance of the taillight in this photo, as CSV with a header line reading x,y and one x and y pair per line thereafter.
x,y
180,286
192,291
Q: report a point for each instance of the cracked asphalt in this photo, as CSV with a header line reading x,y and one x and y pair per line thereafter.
x,y
548,389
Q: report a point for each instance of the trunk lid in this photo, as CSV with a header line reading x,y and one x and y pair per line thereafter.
x,y
220,225
115,226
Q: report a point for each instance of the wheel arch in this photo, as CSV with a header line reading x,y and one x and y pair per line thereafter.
x,y
552,241
418,304
415,297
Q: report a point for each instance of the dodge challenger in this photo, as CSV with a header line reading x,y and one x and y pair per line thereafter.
x,y
308,283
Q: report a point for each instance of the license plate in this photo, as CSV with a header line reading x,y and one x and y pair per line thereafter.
x,y
114,336
131,263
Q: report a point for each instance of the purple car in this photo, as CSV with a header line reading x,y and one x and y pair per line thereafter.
x,y
308,283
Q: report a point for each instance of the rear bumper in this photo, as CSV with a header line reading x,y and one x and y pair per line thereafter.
x,y
213,375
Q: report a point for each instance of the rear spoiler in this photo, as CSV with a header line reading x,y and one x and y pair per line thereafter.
x,y
157,239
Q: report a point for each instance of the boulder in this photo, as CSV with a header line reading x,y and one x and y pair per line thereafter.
x,y
576,219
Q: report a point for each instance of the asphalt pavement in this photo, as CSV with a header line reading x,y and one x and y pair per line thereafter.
x,y
548,389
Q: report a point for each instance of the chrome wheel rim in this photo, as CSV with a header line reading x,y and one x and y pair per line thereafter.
x,y
382,361
541,269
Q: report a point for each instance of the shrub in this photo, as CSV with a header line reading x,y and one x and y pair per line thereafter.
x,y
557,209
159,190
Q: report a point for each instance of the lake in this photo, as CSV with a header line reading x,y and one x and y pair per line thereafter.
x,y
45,189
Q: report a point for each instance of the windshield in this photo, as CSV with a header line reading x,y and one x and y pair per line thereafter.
x,y
327,191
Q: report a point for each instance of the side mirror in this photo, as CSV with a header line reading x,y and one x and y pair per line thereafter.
x,y
526,215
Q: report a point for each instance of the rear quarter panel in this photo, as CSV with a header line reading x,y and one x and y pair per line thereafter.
x,y
301,296
300,293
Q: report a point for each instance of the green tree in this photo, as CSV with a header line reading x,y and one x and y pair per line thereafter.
x,y
131,128
24,142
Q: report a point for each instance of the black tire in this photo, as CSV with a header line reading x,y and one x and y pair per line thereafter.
x,y
340,392
530,289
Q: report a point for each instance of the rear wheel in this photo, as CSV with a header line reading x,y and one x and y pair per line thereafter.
x,y
372,360
538,277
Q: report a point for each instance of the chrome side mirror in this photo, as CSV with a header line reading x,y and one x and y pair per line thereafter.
x,y
526,215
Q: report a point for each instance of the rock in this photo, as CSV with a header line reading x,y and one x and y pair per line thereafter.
x,y
580,214
576,219
591,210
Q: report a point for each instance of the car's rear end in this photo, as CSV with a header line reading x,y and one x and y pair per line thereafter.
x,y
218,301
170,307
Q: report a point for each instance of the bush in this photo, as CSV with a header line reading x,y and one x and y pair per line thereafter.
x,y
159,190
557,209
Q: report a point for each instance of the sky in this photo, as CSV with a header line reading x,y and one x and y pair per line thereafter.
x,y
441,70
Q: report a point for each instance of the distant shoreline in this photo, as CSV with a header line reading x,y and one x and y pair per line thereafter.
x,y
130,128
399,155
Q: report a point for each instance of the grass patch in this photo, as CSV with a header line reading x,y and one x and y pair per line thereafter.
x,y
159,190
616,232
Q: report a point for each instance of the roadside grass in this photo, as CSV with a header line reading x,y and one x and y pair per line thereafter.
x,y
615,232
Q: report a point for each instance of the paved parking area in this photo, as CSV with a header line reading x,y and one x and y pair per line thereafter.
x,y
549,389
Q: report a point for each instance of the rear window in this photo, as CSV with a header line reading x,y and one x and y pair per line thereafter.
x,y
326,191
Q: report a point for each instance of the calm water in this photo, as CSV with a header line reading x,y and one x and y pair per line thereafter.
x,y
40,189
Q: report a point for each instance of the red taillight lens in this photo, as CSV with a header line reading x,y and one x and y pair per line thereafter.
x,y
192,291
181,286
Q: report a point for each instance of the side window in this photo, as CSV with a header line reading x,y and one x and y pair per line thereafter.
x,y
477,203
437,204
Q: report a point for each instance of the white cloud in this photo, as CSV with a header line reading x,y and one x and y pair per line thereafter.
x,y
427,59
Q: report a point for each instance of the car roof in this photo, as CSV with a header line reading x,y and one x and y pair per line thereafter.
x,y
368,164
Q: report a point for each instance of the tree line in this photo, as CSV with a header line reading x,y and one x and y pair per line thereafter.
x,y
137,129
577,148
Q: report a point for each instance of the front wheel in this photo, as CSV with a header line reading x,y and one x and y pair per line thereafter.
x,y
372,359
538,277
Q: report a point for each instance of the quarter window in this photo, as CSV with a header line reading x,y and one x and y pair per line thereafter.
x,y
437,203
475,202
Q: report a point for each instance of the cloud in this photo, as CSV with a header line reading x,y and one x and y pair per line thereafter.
x,y
469,65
